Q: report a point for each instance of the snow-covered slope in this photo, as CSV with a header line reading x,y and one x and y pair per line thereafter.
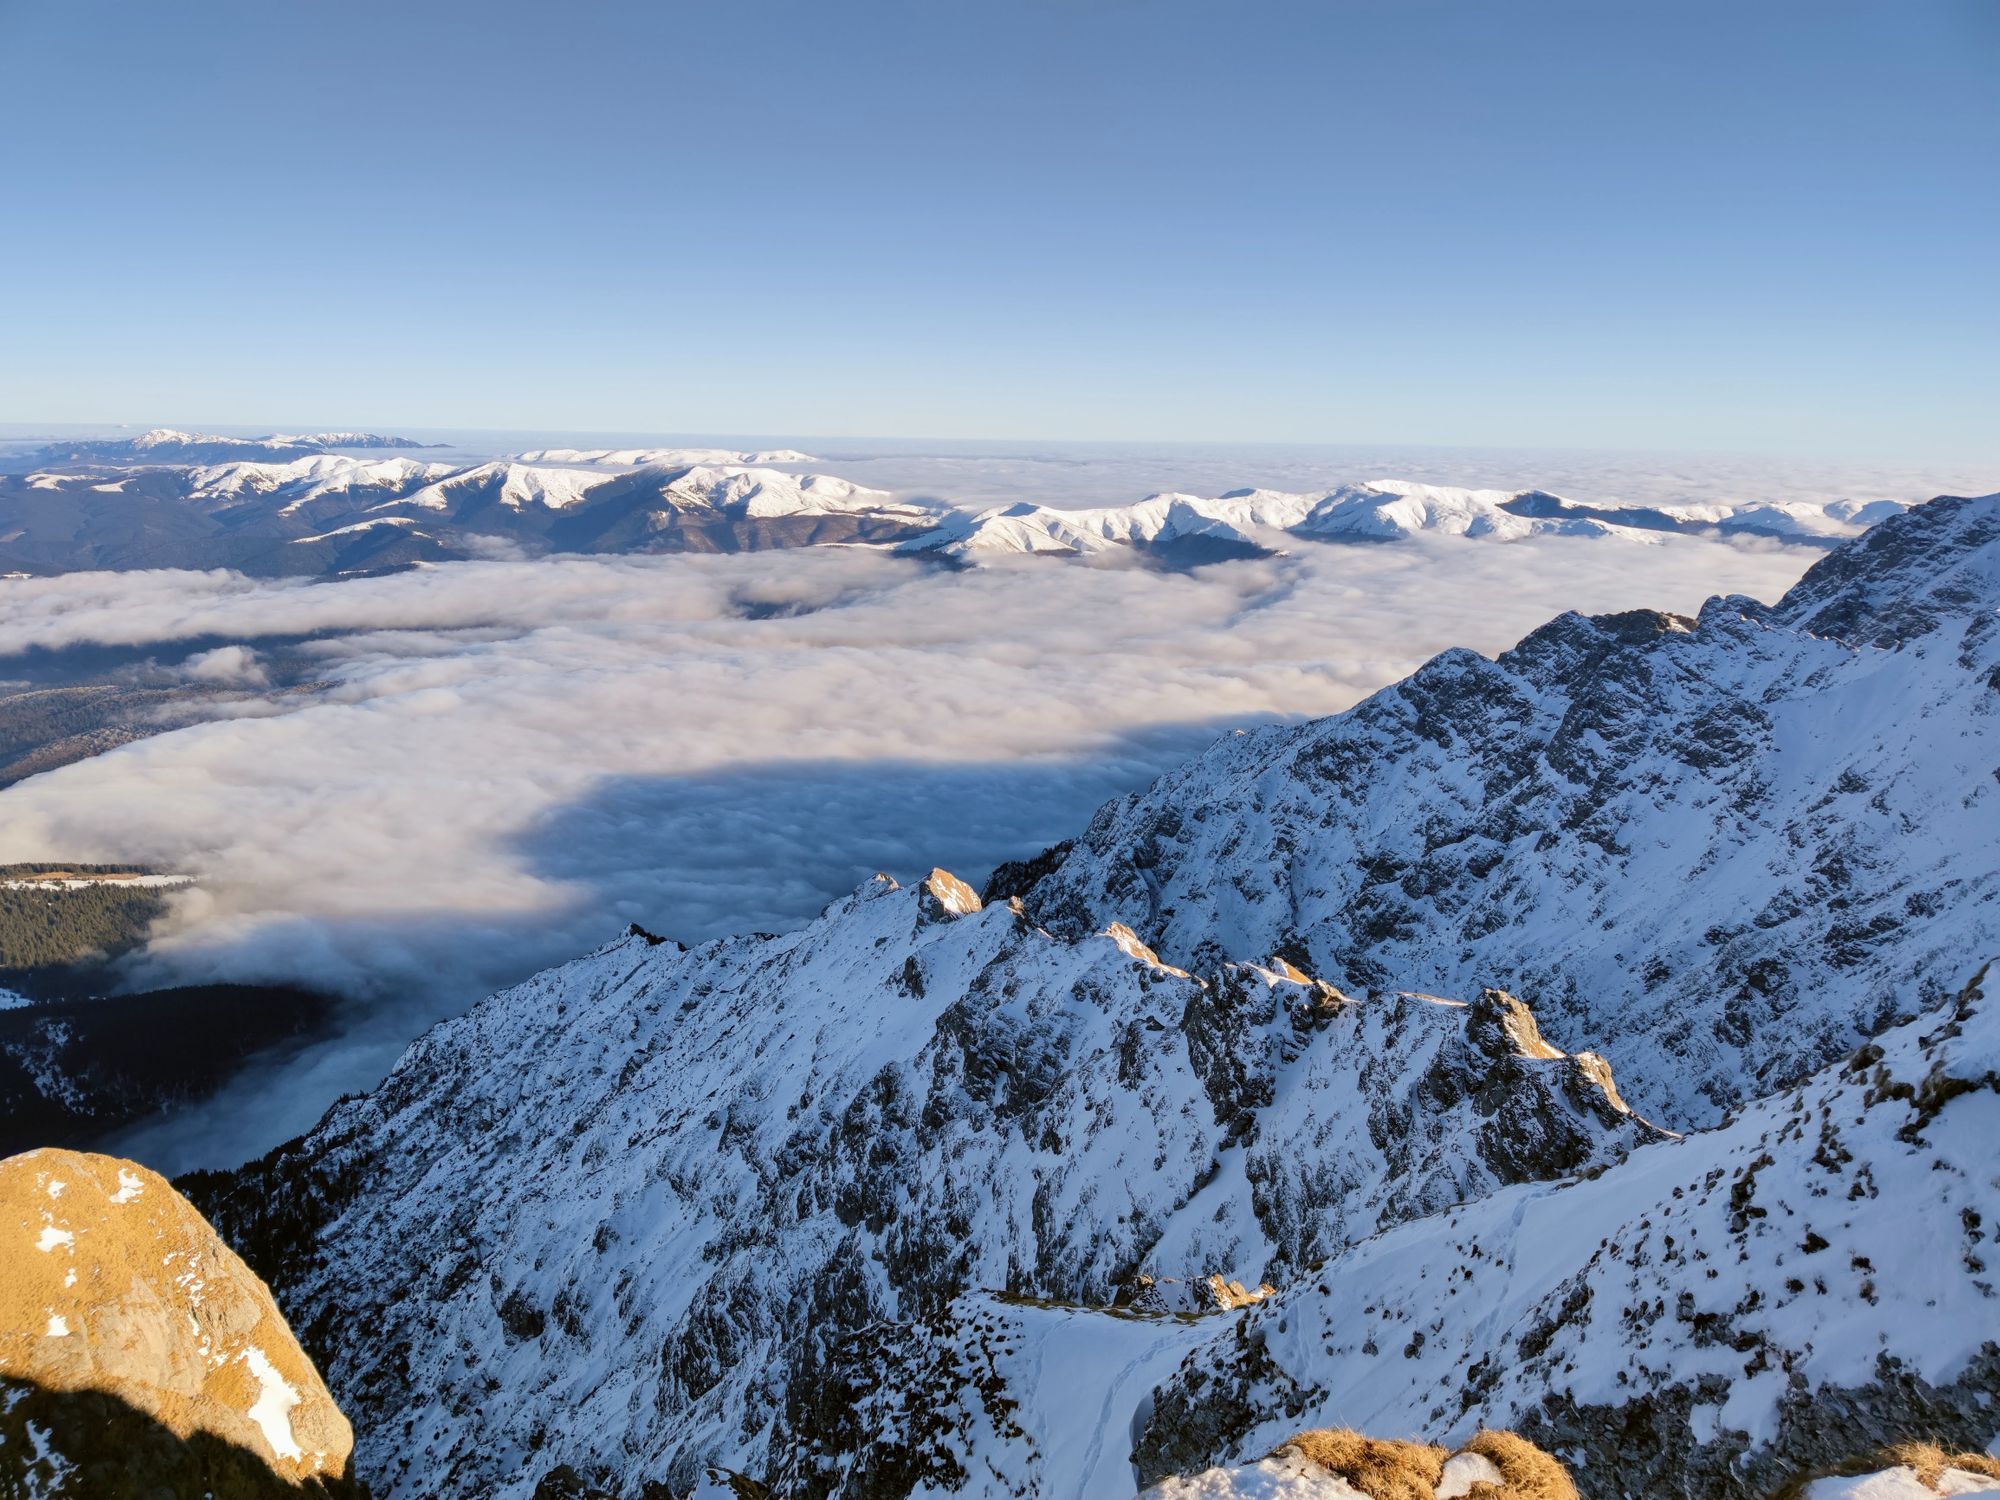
x,y
1804,1284
303,481
511,486
1166,525
630,1209
1725,849
277,517
1709,1317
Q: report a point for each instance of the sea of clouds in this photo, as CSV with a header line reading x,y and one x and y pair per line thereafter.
x,y
420,787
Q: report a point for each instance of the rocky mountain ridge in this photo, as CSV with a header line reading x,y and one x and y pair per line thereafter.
x,y
1728,848
780,1141
664,1208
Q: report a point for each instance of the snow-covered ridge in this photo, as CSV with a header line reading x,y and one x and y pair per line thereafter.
x,y
251,497
675,458
1724,849
914,1094
1738,1281
333,513
171,445
1245,522
1781,1295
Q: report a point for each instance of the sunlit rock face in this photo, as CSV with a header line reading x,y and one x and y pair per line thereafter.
x,y
137,1351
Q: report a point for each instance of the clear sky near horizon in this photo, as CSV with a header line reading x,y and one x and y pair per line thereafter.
x,y
1765,226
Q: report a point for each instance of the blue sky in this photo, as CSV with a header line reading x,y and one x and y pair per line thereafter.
x,y
1749,225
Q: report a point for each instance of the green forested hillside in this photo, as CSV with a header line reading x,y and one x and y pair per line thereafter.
x,y
46,927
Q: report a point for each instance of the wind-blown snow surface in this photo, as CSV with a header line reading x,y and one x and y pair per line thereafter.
x,y
730,1204
1676,835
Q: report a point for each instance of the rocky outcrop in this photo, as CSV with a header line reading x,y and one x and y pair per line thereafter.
x,y
139,1354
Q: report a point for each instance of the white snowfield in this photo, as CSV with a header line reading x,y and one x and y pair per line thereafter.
x,y
1744,1281
848,1209
304,480
771,492
1266,1479
323,484
262,493
514,486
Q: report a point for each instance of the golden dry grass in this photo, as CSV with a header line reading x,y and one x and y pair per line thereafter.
x,y
1530,1473
1927,1460
1381,1468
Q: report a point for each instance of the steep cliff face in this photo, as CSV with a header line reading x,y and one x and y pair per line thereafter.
x,y
1725,849
138,1352
622,1216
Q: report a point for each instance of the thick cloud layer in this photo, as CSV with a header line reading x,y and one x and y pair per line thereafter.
x,y
464,773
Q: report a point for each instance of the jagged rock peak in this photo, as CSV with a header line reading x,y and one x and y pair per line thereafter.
x,y
1514,1021
1129,944
945,895
1198,1294
123,1313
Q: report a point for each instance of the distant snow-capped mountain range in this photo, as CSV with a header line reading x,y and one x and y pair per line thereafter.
x,y
170,499
884,1205
169,445
1249,522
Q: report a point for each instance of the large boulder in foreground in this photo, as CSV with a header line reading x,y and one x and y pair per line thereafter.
x,y
139,1355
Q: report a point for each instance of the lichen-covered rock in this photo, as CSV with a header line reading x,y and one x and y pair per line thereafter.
x,y
137,1352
